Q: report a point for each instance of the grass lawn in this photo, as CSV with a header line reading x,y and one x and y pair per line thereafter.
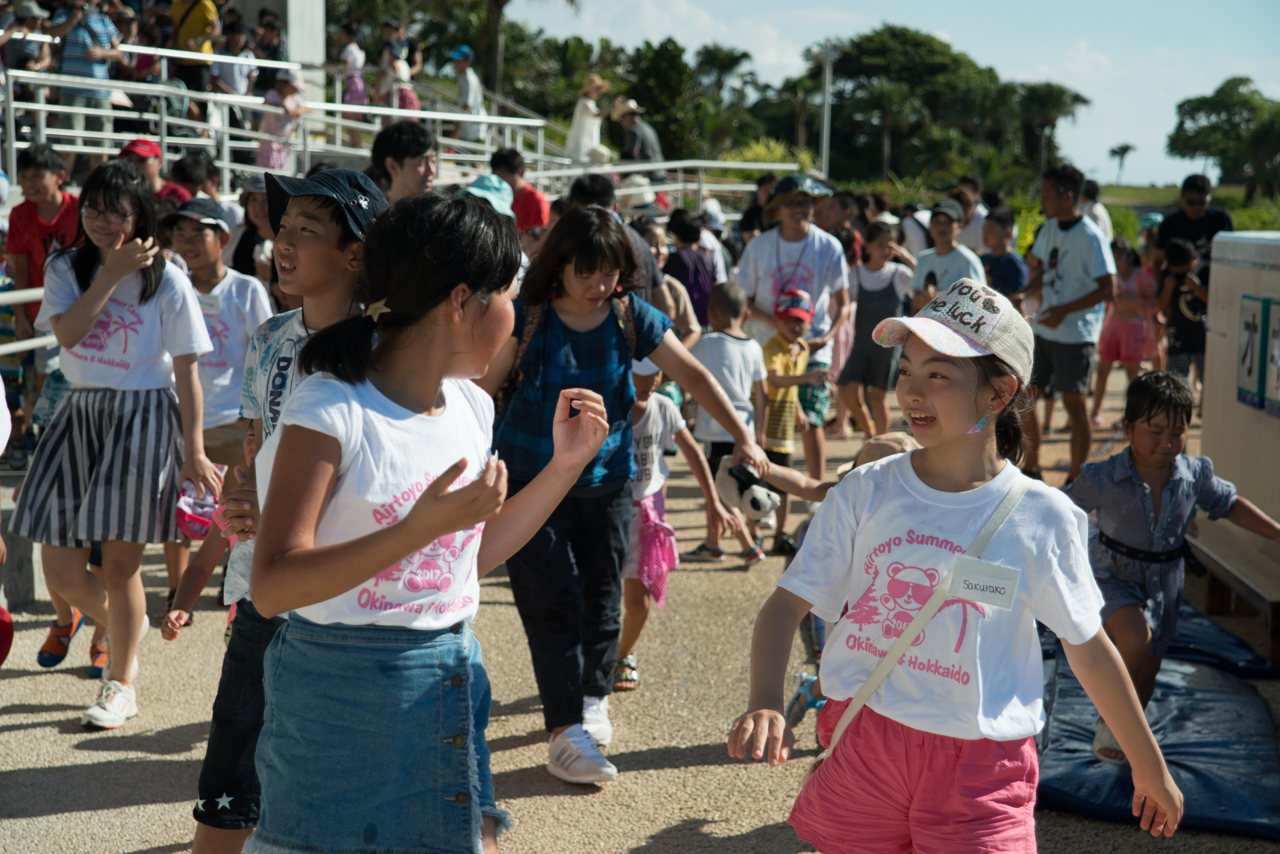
x,y
1231,195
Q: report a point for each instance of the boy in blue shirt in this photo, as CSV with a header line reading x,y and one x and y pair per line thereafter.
x,y
1072,270
1005,269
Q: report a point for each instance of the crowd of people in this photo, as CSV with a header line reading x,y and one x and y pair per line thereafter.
x,y
399,389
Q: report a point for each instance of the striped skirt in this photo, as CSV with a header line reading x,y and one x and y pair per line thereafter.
x,y
107,468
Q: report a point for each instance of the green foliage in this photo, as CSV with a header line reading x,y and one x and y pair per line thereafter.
x,y
1124,222
1028,219
1238,127
940,111
1260,216
766,150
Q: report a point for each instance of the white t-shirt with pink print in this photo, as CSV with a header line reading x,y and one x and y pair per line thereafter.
x,y
132,343
876,549
389,457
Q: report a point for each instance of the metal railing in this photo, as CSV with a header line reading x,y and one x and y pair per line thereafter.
x,y
689,176
22,297
315,134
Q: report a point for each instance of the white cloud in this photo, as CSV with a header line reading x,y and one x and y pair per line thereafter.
x,y
942,35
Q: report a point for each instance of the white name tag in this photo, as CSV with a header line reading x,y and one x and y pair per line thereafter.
x,y
208,303
987,583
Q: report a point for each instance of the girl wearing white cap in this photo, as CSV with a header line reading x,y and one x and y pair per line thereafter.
x,y
933,567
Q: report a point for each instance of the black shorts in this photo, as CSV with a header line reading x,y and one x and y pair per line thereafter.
x,y
778,458
873,366
229,794
1065,368
720,449
194,77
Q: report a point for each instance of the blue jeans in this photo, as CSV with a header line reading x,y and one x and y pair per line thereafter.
x,y
373,740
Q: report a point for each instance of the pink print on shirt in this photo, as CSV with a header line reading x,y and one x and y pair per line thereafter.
x,y
220,335
123,322
895,596
434,568
787,277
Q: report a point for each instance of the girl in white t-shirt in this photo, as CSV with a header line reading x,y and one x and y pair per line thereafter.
x,y
110,466
383,510
942,757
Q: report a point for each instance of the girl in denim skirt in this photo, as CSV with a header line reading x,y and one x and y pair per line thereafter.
x,y
383,510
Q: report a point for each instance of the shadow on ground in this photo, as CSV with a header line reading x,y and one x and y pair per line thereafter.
x,y
33,792
688,837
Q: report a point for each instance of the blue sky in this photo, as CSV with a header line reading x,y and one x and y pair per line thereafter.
x,y
1134,61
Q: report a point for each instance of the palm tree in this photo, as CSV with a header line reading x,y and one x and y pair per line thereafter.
x,y
1044,105
893,103
716,63
1120,152
493,40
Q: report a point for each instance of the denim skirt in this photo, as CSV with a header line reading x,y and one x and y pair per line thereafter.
x,y
373,741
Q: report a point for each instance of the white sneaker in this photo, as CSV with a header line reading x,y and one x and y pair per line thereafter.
x,y
595,719
116,703
574,758
133,668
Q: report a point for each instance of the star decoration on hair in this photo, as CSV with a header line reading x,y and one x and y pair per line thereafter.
x,y
376,310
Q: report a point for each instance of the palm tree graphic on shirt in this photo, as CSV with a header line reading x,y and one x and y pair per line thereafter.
x,y
122,324
218,332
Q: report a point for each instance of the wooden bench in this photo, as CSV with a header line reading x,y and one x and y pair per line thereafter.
x,y
1235,567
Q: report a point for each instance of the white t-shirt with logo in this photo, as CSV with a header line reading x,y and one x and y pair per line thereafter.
x,y
815,265
655,431
878,546
270,375
1074,259
132,343
737,364
389,457
233,311
943,271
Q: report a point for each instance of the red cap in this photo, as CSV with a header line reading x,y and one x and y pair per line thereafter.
x,y
141,148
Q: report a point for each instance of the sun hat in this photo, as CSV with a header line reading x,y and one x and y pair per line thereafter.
x,y
591,81
790,187
203,211
793,303
493,190
356,194
967,320
144,148
463,51
948,207
644,367
626,107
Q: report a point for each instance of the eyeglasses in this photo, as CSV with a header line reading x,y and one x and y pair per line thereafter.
x,y
1195,201
800,202
89,214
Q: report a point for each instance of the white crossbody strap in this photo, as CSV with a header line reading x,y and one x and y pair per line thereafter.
x,y
924,615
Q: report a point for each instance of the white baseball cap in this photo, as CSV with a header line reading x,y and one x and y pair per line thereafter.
x,y
967,320
644,367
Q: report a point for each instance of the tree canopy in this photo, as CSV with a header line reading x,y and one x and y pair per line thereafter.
x,y
1239,128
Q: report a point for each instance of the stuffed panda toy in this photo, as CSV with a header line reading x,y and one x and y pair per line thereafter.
x,y
740,488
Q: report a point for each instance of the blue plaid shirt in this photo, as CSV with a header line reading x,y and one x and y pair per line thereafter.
x,y
93,30
558,358
1126,509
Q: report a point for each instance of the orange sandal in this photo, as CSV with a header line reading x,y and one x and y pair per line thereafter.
x,y
55,646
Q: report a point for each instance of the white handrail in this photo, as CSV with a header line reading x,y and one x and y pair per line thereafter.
x,y
624,166
170,53
28,344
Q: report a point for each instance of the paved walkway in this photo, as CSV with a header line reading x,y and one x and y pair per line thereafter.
x,y
65,790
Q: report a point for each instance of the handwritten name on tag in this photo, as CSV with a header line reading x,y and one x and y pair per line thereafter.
x,y
987,583
208,303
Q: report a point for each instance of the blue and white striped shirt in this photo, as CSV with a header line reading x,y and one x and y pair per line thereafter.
x,y
94,29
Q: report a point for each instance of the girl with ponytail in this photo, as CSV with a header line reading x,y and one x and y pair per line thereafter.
x,y
383,511
932,567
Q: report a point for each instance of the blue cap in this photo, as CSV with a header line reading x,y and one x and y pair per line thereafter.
x,y
463,51
493,190
356,194
1151,220
790,187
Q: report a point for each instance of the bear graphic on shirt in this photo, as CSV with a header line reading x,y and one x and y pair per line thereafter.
x,y
907,589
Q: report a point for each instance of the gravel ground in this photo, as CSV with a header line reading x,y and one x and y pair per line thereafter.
x,y
677,792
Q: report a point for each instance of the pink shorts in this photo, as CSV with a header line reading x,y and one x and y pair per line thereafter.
x,y
890,788
1122,341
